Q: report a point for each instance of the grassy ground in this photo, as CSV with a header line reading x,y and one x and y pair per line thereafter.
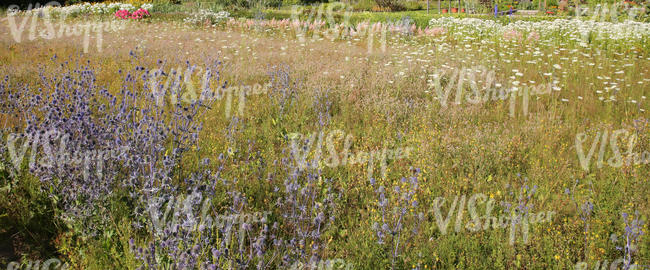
x,y
383,99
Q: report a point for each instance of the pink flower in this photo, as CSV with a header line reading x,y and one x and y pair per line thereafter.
x,y
295,23
136,15
139,14
512,34
122,14
533,36
376,27
434,31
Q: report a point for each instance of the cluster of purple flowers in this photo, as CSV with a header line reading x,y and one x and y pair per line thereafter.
x,y
632,234
155,137
404,213
195,243
283,91
307,206
93,119
520,210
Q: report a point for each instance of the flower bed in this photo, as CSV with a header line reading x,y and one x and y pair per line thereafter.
x,y
579,31
87,8
136,15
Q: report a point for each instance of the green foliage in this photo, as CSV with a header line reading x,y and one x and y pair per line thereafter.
x,y
393,5
363,5
551,3
526,5
27,217
411,5
288,3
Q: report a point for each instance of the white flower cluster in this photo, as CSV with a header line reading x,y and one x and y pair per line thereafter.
x,y
465,26
147,6
581,31
203,16
578,30
86,8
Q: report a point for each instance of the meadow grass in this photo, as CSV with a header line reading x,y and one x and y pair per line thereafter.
x,y
384,99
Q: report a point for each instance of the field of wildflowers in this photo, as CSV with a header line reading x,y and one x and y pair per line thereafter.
x,y
206,140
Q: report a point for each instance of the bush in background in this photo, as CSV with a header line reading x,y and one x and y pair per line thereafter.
x,y
411,5
392,5
364,5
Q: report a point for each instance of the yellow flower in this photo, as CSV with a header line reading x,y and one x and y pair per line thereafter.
x,y
557,257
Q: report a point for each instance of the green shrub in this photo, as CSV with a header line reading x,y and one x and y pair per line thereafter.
x,y
411,5
393,5
363,5
477,6
271,3
312,1
288,3
526,5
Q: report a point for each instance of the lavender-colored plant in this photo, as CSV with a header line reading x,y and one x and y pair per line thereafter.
x,y
323,106
206,239
283,91
231,245
404,213
632,234
68,109
307,208
231,133
242,244
519,213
